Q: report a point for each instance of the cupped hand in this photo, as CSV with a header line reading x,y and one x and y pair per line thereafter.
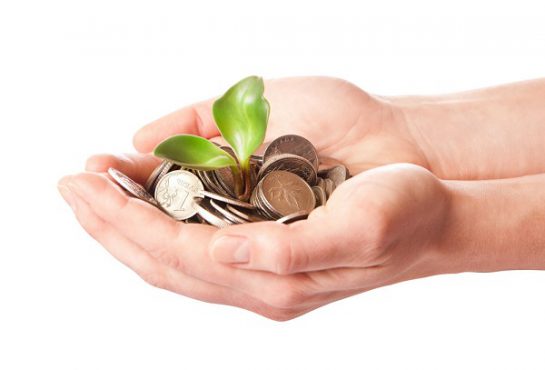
x,y
379,227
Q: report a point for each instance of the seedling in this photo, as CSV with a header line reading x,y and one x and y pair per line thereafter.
x,y
241,116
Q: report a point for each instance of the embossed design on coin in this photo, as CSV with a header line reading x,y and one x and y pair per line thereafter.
x,y
176,192
284,193
131,186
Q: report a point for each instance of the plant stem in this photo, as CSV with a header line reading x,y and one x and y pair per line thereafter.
x,y
245,168
238,178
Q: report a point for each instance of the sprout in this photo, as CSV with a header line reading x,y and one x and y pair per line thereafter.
x,y
241,115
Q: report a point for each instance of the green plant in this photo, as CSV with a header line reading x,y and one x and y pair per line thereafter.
x,y
241,116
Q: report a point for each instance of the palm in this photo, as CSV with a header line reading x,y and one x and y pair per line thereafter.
x,y
339,118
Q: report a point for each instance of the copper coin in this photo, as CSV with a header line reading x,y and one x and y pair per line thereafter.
x,y
286,193
292,144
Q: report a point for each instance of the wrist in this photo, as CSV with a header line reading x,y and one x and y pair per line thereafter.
x,y
494,225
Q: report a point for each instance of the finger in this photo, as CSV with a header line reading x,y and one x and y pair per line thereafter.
x,y
137,166
313,244
196,119
183,246
159,275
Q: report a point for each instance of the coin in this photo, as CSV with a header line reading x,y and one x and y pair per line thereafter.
x,y
156,174
292,144
248,215
338,174
291,163
176,192
296,216
227,200
227,215
282,193
206,212
226,181
327,163
320,194
329,187
131,186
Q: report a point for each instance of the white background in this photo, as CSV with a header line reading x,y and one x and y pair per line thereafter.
x,y
78,78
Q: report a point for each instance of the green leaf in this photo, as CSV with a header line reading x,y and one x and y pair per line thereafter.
x,y
241,115
194,152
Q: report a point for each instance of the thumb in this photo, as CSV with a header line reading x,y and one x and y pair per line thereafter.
x,y
195,119
313,244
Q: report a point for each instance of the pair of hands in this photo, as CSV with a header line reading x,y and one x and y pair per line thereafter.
x,y
382,226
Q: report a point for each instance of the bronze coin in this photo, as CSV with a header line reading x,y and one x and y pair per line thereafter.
x,y
291,163
292,144
286,193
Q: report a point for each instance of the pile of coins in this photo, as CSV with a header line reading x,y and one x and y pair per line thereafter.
x,y
288,180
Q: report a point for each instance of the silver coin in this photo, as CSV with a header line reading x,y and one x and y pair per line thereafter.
x,y
176,192
338,174
291,163
327,163
329,187
234,202
131,186
157,173
231,217
321,196
251,216
292,144
296,216
207,213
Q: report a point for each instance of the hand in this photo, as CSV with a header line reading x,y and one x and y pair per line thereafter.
x,y
340,119
175,256
380,227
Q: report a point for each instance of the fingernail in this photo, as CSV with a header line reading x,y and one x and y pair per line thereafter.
x,y
231,249
68,196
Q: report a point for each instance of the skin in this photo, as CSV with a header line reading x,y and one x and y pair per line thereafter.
x,y
391,222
